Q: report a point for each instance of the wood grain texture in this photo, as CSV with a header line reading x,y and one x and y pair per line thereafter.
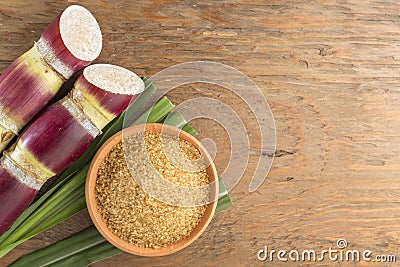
x,y
330,71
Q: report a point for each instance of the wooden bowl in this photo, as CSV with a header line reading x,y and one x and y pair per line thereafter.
x,y
91,199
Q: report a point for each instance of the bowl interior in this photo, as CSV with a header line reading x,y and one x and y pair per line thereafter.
x,y
91,199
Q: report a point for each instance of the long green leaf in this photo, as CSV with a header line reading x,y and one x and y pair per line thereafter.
x,y
176,118
76,204
97,253
86,239
156,114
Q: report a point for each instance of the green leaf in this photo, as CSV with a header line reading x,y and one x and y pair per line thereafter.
x,y
156,113
87,257
175,118
58,251
223,203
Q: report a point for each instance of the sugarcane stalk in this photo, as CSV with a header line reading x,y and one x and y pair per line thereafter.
x,y
33,79
60,135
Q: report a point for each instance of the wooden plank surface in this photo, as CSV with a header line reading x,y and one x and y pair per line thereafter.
x,y
330,71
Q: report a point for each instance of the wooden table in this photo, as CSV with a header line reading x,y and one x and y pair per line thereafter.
x,y
329,70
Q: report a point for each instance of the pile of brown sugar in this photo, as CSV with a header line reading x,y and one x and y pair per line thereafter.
x,y
131,213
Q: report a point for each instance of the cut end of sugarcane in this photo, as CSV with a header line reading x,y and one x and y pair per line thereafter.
x,y
80,33
114,79
71,42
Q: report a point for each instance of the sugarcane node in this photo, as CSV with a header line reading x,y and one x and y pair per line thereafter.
x,y
74,99
6,136
48,65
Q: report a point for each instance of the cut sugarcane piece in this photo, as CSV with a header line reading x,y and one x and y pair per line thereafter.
x,y
95,103
71,42
59,135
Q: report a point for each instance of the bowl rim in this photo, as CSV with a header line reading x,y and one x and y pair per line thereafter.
x,y
91,199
